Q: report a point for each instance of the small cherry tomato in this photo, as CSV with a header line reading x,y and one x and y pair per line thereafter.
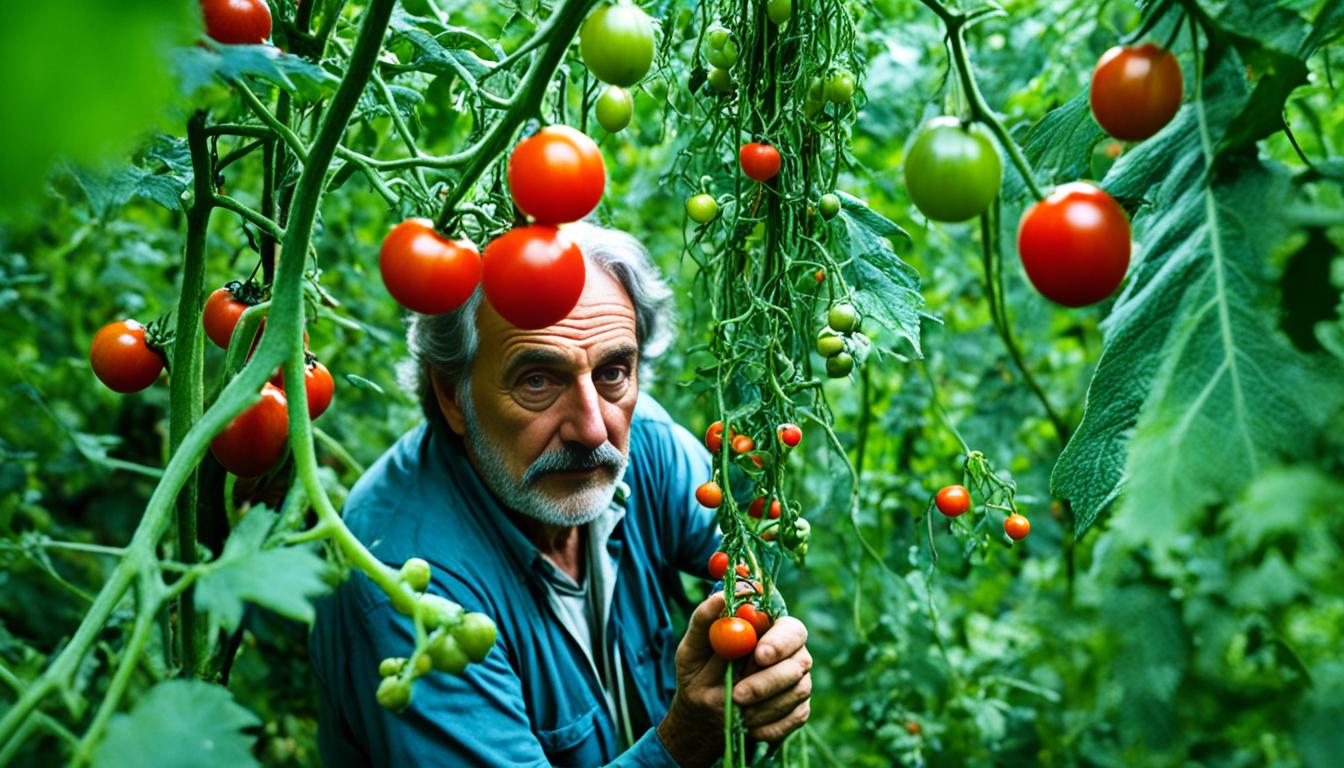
x,y
613,109
912,728
533,276
415,572
743,444
724,56
556,175
714,437
256,440
717,36
779,10
843,318
743,570
953,500
237,22
709,495
220,316
718,565
789,434
720,80
828,206
317,384
759,620
757,507
1074,245
759,161
829,345
821,275
1136,90
394,693
732,637
475,634
1017,527
839,87
839,366
122,359
702,208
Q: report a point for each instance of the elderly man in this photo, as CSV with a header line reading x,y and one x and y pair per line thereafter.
x,y
548,494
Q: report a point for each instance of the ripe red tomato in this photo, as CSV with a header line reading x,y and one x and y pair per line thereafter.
x,y
759,620
532,276
557,175
912,728
317,383
1017,527
732,637
714,437
425,271
743,444
759,161
953,500
743,570
122,359
757,508
709,495
1075,245
235,22
718,565
789,434
255,441
220,316
1136,90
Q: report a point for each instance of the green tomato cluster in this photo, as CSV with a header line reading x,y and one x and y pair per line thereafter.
x,y
721,53
842,321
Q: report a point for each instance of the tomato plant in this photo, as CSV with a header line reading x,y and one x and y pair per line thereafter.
x,y
1074,245
256,440
732,637
237,21
557,175
122,359
426,272
518,261
1136,90
952,172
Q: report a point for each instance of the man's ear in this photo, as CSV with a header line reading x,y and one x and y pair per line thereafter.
x,y
444,393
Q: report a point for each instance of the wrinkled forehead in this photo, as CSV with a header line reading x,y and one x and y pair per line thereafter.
x,y
602,321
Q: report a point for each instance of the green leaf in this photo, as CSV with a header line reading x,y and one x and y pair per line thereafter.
x,y
180,724
1196,389
886,288
198,67
282,579
1059,146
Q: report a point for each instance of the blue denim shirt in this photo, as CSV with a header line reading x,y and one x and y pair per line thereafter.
x,y
534,701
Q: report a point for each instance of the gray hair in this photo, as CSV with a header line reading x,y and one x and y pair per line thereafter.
x,y
446,344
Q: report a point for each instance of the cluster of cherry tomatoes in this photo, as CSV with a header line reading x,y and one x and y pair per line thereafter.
x,y
1074,244
955,500
836,340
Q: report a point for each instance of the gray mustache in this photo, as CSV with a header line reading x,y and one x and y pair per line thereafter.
x,y
573,458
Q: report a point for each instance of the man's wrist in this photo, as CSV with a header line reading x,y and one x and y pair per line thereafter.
x,y
688,741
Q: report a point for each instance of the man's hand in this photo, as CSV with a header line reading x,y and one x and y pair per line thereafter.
x,y
773,692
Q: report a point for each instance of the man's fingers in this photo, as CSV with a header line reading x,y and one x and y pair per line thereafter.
x,y
784,638
773,680
779,706
777,730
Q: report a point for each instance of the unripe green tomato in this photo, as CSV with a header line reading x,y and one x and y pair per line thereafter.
x,y
439,611
447,655
829,345
423,664
723,57
828,206
843,318
476,635
614,108
951,173
390,666
779,10
839,366
394,694
717,36
415,572
720,80
840,86
616,42
702,208
798,535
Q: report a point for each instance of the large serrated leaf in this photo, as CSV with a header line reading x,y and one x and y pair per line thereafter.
x,y
1196,389
282,579
180,724
886,288
197,67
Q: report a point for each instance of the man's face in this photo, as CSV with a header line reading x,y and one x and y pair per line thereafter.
x,y
547,417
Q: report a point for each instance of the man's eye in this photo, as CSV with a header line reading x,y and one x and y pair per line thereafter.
x,y
535,381
611,375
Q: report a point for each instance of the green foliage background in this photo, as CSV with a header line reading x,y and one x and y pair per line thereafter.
x,y
1198,617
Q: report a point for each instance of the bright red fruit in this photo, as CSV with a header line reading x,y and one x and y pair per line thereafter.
x,y
732,637
220,316
718,565
317,383
121,358
789,434
425,271
557,175
235,22
953,500
1017,527
1075,245
759,620
532,276
1136,90
759,161
714,437
255,441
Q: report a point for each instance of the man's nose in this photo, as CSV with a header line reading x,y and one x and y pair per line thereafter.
x,y
583,422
